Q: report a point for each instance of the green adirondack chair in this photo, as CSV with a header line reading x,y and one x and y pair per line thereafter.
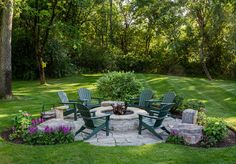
x,y
168,97
85,96
140,102
154,121
70,104
91,122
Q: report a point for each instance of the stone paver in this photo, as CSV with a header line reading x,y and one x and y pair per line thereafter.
x,y
128,138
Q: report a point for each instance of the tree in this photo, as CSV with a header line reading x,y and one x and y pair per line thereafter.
x,y
6,15
200,11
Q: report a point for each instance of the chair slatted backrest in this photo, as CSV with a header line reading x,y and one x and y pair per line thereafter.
x,y
84,93
63,97
86,115
169,97
146,94
163,113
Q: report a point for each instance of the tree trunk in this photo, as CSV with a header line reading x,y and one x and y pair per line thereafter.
x,y
38,53
5,50
203,63
201,24
111,24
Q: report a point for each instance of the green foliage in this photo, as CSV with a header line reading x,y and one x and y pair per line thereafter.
x,y
193,104
214,131
201,118
24,65
147,36
58,62
21,123
119,85
178,101
175,138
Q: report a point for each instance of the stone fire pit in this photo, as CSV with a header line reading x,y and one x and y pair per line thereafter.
x,y
121,122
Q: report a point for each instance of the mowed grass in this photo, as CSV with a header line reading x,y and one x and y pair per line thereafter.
x,y
219,96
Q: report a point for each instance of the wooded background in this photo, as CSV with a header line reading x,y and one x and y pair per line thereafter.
x,y
181,37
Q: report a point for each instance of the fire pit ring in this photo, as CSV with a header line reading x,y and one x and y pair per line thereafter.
x,y
121,122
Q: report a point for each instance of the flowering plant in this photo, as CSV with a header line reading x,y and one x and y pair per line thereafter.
x,y
21,123
49,136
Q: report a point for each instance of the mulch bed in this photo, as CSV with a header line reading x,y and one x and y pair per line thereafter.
x,y
6,134
230,140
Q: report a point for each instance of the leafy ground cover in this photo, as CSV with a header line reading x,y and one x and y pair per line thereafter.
x,y
219,96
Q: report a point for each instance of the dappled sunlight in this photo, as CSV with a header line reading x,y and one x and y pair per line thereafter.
x,y
92,75
231,121
157,79
191,88
5,115
228,99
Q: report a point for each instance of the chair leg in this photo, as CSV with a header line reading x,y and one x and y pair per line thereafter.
x,y
164,128
152,130
95,131
155,133
107,128
140,125
80,130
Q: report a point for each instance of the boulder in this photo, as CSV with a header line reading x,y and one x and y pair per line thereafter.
x,y
191,133
189,116
55,124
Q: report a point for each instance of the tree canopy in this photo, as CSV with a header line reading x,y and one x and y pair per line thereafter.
x,y
187,37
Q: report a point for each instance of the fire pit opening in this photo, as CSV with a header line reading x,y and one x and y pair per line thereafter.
x,y
128,112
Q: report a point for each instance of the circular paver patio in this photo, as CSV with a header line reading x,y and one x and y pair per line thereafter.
x,y
128,138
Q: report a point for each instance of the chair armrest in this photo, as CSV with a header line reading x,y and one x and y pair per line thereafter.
x,y
83,100
153,101
148,116
152,117
68,103
73,100
93,113
155,111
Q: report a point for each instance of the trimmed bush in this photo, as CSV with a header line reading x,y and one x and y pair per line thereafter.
x,y
119,86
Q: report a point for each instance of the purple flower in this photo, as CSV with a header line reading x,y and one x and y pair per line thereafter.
x,y
41,120
34,122
33,129
47,129
65,129
37,121
174,132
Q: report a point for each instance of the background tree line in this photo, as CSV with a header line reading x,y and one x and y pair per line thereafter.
x,y
183,37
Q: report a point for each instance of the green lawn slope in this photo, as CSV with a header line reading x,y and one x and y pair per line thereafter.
x,y
219,96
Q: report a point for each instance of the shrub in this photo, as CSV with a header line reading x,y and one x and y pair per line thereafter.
x,y
193,104
21,123
201,118
49,136
215,130
119,85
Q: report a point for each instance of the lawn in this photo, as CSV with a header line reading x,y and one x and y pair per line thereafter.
x,y
219,96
